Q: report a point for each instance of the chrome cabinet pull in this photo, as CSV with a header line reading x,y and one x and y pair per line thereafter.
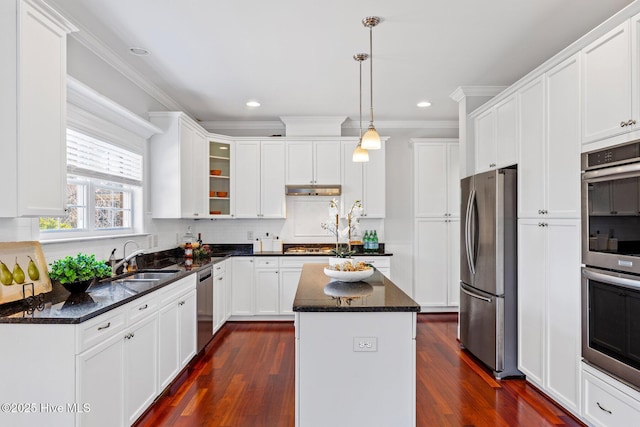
x,y
144,307
181,303
105,326
604,409
623,124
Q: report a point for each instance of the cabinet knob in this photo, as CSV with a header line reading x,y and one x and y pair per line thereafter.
x,y
492,165
181,303
623,124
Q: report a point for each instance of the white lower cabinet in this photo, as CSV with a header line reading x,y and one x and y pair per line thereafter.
x,y
549,328
219,295
437,265
243,287
140,367
266,285
177,330
607,402
101,383
290,271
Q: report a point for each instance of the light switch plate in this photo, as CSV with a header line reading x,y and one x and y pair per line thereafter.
x,y
365,344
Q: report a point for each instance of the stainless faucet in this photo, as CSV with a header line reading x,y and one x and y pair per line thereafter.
x,y
125,260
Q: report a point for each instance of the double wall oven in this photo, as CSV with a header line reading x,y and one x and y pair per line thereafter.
x,y
611,255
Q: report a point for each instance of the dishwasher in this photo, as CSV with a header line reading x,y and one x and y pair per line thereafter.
x,y
204,298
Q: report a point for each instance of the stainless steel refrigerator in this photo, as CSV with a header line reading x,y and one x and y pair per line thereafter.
x,y
488,270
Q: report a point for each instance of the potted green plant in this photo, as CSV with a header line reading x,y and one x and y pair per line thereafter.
x,y
77,273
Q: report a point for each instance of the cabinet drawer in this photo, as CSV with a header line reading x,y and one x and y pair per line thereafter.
x,y
100,328
173,291
218,269
377,262
605,405
266,262
142,307
299,261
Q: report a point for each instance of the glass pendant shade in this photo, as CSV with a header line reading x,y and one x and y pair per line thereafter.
x,y
360,155
371,139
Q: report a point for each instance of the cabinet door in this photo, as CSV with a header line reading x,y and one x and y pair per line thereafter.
x,y
192,171
485,128
168,350
228,303
453,262
219,290
300,163
140,368
431,267
242,288
563,140
272,169
453,180
430,164
266,286
100,373
289,279
606,85
326,162
246,178
531,298
506,132
187,313
352,177
374,184
41,163
563,322
531,167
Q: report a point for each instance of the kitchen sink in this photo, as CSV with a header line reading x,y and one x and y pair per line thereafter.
x,y
144,280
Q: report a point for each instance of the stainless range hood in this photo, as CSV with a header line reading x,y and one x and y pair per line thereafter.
x,y
314,190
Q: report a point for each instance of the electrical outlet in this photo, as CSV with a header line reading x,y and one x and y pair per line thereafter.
x,y
249,235
365,344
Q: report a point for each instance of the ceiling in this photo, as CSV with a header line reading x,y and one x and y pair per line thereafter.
x,y
295,57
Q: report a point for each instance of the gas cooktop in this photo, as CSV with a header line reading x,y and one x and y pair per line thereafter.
x,y
309,250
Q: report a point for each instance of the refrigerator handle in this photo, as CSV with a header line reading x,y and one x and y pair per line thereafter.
x,y
472,230
467,231
474,295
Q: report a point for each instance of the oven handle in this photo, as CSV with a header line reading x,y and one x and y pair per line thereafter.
x,y
631,170
612,280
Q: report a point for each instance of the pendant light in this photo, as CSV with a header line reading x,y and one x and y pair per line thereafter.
x,y
371,138
360,154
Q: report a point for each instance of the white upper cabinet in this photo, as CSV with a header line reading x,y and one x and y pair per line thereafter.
x,y
178,167
549,166
437,179
259,179
496,136
607,85
313,162
33,109
364,181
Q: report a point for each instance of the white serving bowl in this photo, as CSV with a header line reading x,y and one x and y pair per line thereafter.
x,y
349,276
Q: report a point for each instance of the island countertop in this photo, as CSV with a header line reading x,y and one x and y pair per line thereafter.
x,y
320,293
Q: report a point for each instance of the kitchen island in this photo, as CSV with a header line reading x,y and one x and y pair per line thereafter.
x,y
355,351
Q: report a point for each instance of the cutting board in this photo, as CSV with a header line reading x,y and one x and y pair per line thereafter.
x,y
22,250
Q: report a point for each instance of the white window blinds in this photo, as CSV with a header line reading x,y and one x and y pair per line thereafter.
x,y
92,157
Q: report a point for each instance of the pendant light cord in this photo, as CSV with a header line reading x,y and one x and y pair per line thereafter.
x,y
371,68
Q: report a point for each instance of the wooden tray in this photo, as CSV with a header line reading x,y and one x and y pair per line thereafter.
x,y
8,253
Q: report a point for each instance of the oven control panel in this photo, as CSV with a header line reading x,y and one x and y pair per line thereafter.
x,y
612,155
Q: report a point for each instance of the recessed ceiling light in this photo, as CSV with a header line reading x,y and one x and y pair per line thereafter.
x,y
253,104
423,104
139,51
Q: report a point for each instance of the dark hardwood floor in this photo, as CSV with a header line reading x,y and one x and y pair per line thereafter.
x,y
246,378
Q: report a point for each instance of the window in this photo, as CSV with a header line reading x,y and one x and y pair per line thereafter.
x,y
104,185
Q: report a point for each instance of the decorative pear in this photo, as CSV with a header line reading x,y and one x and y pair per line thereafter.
x,y
18,273
6,278
32,270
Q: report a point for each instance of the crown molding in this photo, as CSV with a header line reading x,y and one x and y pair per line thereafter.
x,y
104,52
464,91
99,105
240,125
407,124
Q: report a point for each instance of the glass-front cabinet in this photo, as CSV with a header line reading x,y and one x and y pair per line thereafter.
x,y
219,178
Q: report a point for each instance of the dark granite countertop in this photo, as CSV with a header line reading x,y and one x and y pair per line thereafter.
x,y
376,293
61,307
